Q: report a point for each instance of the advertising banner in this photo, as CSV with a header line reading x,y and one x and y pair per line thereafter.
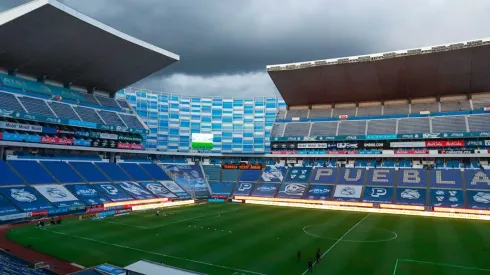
x,y
21,127
87,194
265,190
347,192
407,144
241,166
411,152
202,141
174,188
221,188
113,191
374,145
381,177
273,173
347,145
108,136
352,175
318,192
189,177
82,133
298,174
17,216
478,199
243,188
477,179
411,196
160,191
292,190
81,142
123,145
446,178
136,191
447,198
378,194
58,195
6,208
26,198
474,143
444,143
324,175
454,152
412,178
56,140
216,200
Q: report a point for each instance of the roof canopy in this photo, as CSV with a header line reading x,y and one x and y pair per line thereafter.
x,y
47,38
427,72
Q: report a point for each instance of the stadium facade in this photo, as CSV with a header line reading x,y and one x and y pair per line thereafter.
x,y
237,125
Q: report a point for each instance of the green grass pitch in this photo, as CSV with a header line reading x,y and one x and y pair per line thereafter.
x,y
252,239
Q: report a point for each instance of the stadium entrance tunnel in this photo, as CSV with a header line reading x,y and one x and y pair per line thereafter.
x,y
359,234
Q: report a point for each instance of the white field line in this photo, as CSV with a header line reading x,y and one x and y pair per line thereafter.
x,y
340,239
155,253
189,219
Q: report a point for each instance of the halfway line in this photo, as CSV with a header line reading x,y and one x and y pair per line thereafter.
x,y
340,239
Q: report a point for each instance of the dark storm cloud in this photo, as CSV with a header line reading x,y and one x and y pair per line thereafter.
x,y
225,45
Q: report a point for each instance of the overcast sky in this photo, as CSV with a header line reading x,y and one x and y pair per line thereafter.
x,y
225,45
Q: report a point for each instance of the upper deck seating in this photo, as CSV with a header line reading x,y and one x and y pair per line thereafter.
x,y
88,114
113,171
413,125
36,106
135,171
155,171
448,124
89,171
10,102
63,110
111,118
324,129
297,113
295,129
352,127
107,102
381,126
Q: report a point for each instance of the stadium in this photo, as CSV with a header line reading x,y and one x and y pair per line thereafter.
x,y
373,164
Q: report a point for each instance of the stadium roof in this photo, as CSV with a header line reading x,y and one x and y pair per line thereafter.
x,y
458,68
47,38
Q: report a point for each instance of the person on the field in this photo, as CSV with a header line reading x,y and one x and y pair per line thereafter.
x,y
299,255
318,255
310,265
158,213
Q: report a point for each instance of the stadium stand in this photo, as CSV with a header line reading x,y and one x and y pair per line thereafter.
x,y
452,124
155,171
432,107
230,175
111,118
87,114
213,172
62,171
36,106
369,111
277,130
250,175
413,125
135,171
113,171
31,171
481,102
131,121
221,188
352,127
381,126
63,110
89,171
395,109
321,113
281,113
10,265
344,110
297,129
324,129
107,102
8,176
9,102
457,105
303,113
479,123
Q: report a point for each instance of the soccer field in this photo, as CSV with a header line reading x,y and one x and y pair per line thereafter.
x,y
252,239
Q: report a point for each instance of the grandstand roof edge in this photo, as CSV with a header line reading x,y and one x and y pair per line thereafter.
x,y
379,54
21,10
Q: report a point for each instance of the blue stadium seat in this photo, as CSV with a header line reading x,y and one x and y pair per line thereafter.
x,y
213,172
32,171
9,264
89,171
8,177
155,171
62,171
113,171
10,102
250,175
135,171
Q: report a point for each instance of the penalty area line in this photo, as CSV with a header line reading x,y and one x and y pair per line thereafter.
x,y
340,239
155,253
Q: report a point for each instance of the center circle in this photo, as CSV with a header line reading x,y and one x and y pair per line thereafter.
x,y
309,228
